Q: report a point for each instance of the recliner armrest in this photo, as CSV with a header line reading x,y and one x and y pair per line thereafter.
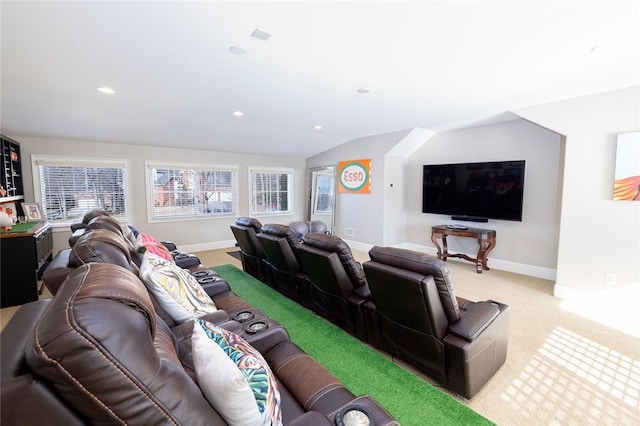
x,y
76,235
215,287
169,245
15,336
476,319
216,317
20,395
311,418
58,269
185,260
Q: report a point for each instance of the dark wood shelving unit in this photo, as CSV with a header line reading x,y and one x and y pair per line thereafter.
x,y
11,171
26,249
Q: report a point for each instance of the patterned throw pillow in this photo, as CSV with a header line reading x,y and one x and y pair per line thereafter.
x,y
177,291
234,377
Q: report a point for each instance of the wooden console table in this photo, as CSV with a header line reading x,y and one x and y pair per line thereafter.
x,y
486,239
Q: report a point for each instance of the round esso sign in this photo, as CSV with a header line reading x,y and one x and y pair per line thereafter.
x,y
354,176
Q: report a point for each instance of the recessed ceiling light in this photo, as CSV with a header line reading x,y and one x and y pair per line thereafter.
x,y
106,90
259,34
237,50
317,127
363,90
238,113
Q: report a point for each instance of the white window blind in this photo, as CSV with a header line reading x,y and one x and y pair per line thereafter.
x,y
189,190
70,187
271,190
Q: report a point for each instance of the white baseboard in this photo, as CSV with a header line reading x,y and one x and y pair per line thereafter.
x,y
215,245
358,245
503,265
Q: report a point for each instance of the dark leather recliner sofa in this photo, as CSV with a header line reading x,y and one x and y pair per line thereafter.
x,y
252,254
402,302
280,243
102,352
338,287
460,343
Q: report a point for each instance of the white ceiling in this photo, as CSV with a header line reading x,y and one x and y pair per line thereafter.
x,y
432,65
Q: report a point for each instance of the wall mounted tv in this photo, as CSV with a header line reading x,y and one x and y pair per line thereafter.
x,y
474,191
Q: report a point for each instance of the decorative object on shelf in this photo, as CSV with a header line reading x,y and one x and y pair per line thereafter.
x,y
32,212
5,221
10,209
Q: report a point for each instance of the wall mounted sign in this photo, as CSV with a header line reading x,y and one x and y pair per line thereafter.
x,y
627,176
355,176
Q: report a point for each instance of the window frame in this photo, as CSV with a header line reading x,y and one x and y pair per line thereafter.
x,y
289,171
150,194
38,160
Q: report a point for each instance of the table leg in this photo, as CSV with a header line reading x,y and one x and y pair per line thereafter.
x,y
445,248
485,247
434,240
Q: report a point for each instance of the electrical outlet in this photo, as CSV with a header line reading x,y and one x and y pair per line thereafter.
x,y
349,232
610,280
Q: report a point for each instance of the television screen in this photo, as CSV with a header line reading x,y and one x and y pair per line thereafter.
x,y
474,191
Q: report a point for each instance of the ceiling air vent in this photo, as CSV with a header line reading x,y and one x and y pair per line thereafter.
x,y
262,35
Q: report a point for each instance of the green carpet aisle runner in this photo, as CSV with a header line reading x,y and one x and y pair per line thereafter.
x,y
408,398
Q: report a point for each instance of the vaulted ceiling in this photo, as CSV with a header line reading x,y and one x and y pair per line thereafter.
x,y
181,69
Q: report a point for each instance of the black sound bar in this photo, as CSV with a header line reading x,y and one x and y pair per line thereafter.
x,y
470,218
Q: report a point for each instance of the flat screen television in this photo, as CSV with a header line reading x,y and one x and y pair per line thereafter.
x,y
474,191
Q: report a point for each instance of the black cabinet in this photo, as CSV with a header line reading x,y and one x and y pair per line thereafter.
x,y
24,253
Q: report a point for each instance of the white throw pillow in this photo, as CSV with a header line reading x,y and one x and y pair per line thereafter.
x,y
177,291
234,377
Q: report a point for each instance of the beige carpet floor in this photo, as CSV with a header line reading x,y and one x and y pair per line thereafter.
x,y
561,368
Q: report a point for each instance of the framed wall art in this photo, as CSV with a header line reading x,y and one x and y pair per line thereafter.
x,y
32,212
626,186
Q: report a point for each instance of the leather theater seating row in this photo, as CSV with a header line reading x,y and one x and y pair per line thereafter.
x,y
107,350
400,301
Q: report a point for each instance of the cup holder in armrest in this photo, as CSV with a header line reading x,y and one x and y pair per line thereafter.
x,y
256,327
181,256
206,280
354,415
202,273
243,316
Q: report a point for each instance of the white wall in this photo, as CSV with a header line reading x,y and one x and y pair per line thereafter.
x,y
529,246
200,234
362,212
395,216
597,235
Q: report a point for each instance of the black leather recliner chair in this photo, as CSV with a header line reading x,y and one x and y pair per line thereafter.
x,y
285,271
338,287
460,343
245,230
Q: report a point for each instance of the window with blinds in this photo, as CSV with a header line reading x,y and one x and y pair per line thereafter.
x,y
271,190
67,188
191,191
